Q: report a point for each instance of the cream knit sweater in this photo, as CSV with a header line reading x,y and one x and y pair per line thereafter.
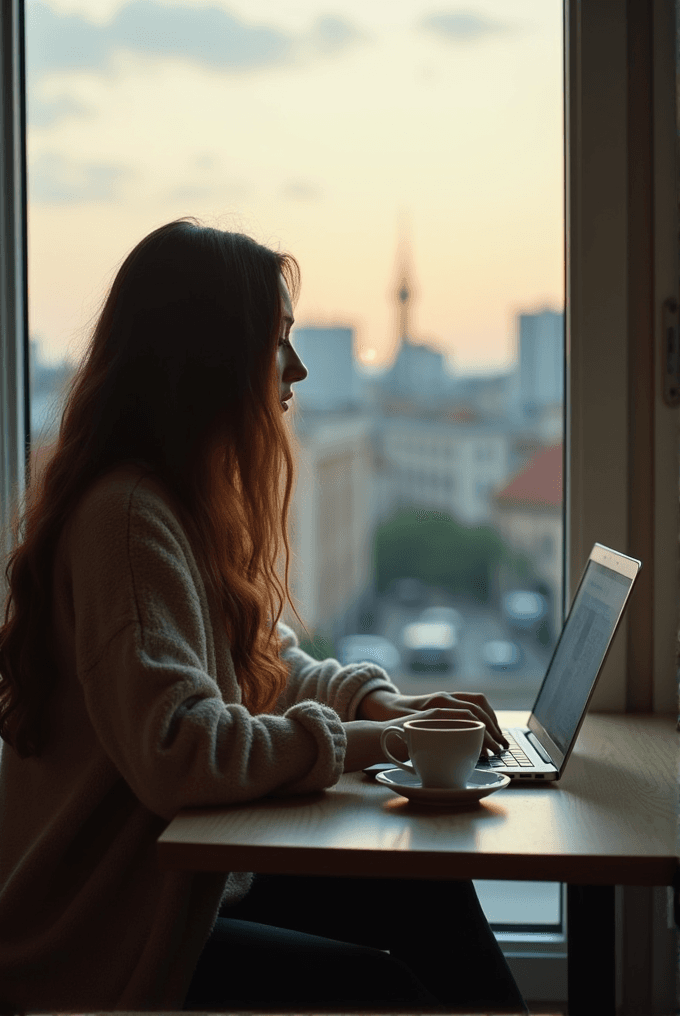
x,y
146,720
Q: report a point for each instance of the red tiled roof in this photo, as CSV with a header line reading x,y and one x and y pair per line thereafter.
x,y
538,484
463,415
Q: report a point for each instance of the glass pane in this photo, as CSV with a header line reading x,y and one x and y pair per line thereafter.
x,y
534,905
432,437
677,150
413,163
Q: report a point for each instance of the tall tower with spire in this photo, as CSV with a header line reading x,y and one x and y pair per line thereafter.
x,y
404,293
418,371
404,301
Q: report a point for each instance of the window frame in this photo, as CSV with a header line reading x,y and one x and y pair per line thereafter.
x,y
621,447
621,440
621,225
15,427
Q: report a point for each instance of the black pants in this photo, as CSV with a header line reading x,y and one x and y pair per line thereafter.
x,y
318,941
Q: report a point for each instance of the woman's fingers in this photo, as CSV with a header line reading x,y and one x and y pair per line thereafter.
x,y
474,700
494,719
469,712
480,705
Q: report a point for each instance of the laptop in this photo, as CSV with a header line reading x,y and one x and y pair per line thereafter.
x,y
541,750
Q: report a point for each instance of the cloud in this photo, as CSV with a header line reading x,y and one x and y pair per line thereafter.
x,y
207,161
190,193
46,113
55,180
59,41
461,26
206,35
198,193
300,190
331,35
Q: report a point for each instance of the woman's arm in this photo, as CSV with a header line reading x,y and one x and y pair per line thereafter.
x,y
364,692
384,705
163,704
384,709
341,687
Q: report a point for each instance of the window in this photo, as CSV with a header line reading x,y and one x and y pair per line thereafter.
x,y
615,235
409,70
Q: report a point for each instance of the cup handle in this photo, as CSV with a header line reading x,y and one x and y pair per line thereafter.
x,y
383,744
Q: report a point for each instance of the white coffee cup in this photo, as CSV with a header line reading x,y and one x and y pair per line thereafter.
x,y
443,752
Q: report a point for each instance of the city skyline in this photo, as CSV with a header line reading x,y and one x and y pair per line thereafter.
x,y
329,133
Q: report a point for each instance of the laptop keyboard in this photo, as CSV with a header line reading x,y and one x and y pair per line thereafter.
x,y
510,756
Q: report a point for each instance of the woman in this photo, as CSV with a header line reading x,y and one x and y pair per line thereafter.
x,y
144,669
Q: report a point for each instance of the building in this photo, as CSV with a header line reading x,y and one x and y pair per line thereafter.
x,y
330,531
527,513
48,385
418,374
328,353
486,395
452,465
540,377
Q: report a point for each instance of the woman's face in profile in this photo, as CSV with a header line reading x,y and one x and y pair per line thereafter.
x,y
289,366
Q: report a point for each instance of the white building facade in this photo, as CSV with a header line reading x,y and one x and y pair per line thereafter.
x,y
330,531
541,362
440,464
333,383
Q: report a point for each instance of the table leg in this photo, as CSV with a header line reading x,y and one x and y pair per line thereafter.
x,y
591,955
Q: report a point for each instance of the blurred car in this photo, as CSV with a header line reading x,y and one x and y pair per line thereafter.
x,y
369,649
430,645
523,609
409,592
501,654
443,615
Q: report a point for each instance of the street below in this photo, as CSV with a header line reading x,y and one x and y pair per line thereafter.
x,y
505,689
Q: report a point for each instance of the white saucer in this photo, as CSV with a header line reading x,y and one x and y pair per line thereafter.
x,y
479,785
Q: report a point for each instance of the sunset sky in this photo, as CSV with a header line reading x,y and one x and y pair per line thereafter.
x,y
336,130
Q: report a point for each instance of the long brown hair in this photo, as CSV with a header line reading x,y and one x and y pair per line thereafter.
x,y
180,374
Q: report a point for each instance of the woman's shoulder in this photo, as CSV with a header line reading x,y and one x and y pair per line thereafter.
x,y
128,489
126,520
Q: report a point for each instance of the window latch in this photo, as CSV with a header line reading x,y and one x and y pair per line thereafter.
x,y
670,352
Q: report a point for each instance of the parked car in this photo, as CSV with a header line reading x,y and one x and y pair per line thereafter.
x,y
501,654
523,610
410,592
369,648
443,615
430,645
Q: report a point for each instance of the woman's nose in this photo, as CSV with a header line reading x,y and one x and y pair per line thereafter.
x,y
296,370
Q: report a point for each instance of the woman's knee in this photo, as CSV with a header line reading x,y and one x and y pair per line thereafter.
x,y
299,968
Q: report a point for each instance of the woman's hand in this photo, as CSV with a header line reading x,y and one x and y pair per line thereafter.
x,y
363,739
461,705
363,736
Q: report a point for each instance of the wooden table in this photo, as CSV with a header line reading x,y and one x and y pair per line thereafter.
x,y
611,820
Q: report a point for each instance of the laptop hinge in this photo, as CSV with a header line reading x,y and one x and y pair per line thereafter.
x,y
536,744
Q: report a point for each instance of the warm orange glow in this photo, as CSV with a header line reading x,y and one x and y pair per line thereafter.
x,y
324,152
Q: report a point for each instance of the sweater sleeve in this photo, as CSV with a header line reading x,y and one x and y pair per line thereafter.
x,y
327,681
143,657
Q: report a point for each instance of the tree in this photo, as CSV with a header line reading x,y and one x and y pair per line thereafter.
x,y
320,647
433,547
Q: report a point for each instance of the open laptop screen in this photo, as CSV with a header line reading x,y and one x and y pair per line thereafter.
x,y
580,651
